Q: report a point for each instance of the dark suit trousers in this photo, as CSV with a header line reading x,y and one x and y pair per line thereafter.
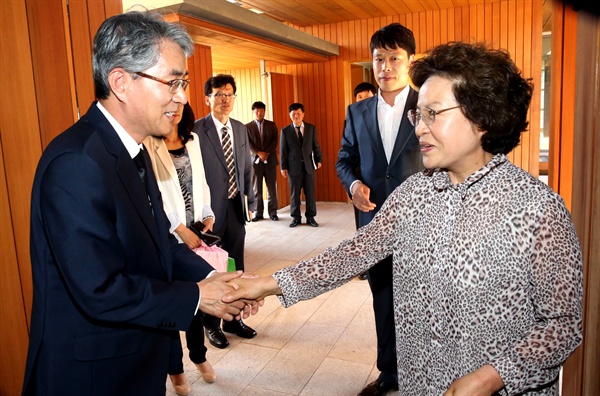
x,y
269,173
380,280
305,182
194,337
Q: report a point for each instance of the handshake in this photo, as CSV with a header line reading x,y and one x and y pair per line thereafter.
x,y
230,295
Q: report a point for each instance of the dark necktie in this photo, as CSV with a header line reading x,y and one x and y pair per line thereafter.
x,y
141,165
228,152
300,137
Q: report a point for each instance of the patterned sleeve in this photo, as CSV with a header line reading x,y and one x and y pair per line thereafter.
x,y
337,265
556,291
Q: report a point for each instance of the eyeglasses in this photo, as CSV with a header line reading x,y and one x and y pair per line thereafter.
x,y
222,96
174,85
428,116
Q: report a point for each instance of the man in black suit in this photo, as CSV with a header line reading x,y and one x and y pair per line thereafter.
x,y
228,168
379,151
263,146
111,284
300,157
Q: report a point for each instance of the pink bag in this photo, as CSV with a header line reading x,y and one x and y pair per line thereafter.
x,y
214,255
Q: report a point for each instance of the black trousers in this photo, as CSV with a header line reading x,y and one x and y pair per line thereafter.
x,y
380,281
194,337
306,182
269,173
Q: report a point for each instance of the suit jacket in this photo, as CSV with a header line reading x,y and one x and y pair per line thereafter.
x,y
217,174
293,156
168,181
267,143
111,284
362,156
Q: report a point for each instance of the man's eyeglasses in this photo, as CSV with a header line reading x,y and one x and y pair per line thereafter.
x,y
428,117
222,96
174,85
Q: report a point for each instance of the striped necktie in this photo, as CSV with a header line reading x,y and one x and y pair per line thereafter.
x,y
228,152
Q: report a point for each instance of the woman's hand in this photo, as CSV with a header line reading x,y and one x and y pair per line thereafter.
x,y
482,382
188,237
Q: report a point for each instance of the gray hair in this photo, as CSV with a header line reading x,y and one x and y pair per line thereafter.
x,y
132,41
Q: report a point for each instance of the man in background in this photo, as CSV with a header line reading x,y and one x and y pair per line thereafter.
x,y
262,135
300,156
228,168
379,151
364,90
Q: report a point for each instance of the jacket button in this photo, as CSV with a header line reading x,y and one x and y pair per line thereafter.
x,y
387,176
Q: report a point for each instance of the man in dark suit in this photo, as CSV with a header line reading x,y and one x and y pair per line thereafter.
x,y
228,168
262,135
300,157
379,151
111,285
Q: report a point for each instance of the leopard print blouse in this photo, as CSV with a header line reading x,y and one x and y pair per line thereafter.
x,y
488,271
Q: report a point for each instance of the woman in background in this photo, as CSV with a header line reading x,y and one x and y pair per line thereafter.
x,y
487,265
177,164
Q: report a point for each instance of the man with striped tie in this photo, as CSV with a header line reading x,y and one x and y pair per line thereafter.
x,y
228,167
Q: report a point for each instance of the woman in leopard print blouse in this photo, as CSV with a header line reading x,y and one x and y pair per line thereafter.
x,y
487,264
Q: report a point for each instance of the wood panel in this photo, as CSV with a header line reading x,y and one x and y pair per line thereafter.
x,y
200,70
580,374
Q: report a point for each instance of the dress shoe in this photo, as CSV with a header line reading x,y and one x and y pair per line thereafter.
x,y
274,217
294,223
257,218
312,222
207,372
217,338
378,388
180,384
239,328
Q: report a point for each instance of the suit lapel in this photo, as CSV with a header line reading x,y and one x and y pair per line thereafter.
x,y
210,129
128,173
369,117
405,130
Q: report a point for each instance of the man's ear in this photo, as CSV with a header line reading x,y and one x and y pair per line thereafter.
x,y
119,82
207,100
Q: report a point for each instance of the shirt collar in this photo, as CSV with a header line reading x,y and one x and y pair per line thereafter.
x,y
220,125
133,148
400,97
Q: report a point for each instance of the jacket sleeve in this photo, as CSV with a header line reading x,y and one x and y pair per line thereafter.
x,y
348,157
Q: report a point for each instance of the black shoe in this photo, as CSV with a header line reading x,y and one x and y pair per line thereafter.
x,y
363,276
312,222
294,223
257,218
216,338
239,328
378,388
274,217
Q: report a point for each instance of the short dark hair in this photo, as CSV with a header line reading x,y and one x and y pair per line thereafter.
x,y
392,36
487,84
365,86
218,81
296,106
258,105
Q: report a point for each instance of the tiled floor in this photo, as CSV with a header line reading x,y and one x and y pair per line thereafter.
x,y
325,346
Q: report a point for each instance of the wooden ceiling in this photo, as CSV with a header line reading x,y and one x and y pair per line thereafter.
x,y
232,49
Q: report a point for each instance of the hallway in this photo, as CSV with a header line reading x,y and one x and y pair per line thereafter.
x,y
325,346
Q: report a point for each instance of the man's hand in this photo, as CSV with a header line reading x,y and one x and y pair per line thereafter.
x,y
284,173
263,155
360,197
482,382
318,165
212,290
252,289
